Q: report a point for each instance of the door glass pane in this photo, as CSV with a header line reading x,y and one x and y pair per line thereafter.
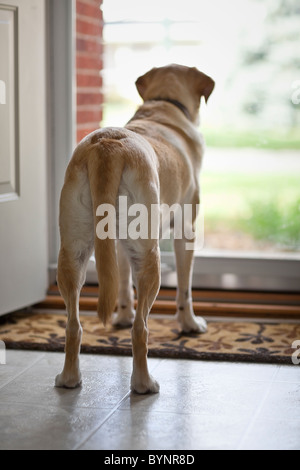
x,y
250,180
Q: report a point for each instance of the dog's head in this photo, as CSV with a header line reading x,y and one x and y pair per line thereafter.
x,y
176,82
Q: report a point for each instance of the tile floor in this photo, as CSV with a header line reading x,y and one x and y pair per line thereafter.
x,y
201,405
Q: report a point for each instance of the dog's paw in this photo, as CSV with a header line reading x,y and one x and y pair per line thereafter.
x,y
63,381
124,318
142,387
192,324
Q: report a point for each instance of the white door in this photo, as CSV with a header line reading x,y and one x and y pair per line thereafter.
x,y
23,188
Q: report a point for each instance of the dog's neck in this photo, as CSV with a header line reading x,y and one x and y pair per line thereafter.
x,y
177,104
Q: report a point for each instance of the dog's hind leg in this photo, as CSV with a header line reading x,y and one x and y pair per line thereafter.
x,y
145,261
76,227
126,313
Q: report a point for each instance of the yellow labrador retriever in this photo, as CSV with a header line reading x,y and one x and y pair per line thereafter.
x,y
155,160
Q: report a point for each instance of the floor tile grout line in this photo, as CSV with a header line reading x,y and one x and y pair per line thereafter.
x,y
155,366
257,411
22,371
77,447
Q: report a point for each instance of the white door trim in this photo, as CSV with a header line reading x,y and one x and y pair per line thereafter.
x,y
61,66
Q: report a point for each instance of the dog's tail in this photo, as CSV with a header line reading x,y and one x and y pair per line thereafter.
x,y
105,168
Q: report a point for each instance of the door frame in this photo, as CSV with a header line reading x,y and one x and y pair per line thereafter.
x,y
61,99
239,271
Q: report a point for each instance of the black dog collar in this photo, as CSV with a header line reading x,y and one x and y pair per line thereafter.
x,y
177,104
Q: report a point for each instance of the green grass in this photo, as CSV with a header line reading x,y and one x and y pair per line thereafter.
x,y
261,139
276,223
262,205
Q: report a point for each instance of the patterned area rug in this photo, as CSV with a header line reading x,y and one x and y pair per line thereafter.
x,y
228,341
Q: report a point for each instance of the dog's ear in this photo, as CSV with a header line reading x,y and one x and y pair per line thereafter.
x,y
204,84
208,88
141,85
143,82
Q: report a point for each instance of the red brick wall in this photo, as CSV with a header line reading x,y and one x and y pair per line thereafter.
x,y
89,48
